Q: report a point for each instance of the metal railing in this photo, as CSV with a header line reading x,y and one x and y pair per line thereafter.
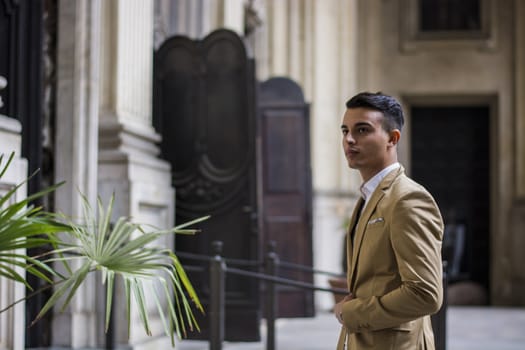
x,y
220,266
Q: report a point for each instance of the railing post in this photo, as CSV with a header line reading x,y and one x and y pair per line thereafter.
x,y
217,293
272,262
110,333
110,336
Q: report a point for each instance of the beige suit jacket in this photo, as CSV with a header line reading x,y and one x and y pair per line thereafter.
x,y
394,269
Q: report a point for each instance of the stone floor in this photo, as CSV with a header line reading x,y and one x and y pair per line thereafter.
x,y
485,328
468,328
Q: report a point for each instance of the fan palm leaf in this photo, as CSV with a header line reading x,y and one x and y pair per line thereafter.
x,y
24,226
150,274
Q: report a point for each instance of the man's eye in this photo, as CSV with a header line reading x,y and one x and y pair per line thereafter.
x,y
345,132
362,130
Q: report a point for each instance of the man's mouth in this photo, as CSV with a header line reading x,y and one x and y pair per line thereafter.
x,y
351,153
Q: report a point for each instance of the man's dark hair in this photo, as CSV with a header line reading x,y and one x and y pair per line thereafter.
x,y
389,106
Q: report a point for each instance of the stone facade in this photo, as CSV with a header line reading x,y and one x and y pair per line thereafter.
x,y
105,141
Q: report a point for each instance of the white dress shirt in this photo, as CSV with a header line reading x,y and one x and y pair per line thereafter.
x,y
370,186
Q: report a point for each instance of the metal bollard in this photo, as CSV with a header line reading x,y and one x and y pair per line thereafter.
x,y
110,334
217,296
272,262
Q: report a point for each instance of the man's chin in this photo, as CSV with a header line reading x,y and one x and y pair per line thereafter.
x,y
352,165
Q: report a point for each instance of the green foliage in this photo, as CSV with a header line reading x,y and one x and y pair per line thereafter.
x,y
24,226
127,250
149,273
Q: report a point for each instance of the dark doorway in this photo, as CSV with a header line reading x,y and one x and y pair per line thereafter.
x,y
284,134
451,158
21,63
204,108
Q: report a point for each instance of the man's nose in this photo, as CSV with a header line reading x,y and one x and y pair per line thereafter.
x,y
349,139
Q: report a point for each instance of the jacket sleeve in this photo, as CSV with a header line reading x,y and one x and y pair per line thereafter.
x,y
416,233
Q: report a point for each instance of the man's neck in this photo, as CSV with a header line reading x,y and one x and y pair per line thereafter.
x,y
369,186
367,176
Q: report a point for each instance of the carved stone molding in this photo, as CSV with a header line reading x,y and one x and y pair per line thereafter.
x,y
412,39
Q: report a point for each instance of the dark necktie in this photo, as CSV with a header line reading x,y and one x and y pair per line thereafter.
x,y
359,208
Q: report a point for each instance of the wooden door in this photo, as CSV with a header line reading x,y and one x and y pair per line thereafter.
x,y
451,158
205,111
286,185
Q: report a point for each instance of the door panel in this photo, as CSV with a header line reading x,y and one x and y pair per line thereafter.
x,y
451,157
226,109
286,187
204,109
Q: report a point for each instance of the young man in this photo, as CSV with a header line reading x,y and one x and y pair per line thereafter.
x,y
394,238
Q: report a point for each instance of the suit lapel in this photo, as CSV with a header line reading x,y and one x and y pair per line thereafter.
x,y
365,217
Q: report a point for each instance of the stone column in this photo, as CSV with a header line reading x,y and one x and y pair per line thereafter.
x,y
197,18
129,164
76,151
12,330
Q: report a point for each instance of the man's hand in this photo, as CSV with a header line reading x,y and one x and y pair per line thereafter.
x,y
338,308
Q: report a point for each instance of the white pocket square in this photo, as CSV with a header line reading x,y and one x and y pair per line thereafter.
x,y
376,220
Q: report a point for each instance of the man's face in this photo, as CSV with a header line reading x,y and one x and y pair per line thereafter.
x,y
366,144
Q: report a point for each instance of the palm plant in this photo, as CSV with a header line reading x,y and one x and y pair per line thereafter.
x,y
24,226
125,249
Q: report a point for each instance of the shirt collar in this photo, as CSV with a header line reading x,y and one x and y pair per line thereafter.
x,y
370,186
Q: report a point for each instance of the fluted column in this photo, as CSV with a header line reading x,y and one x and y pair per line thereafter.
x,y
315,44
129,163
197,18
76,151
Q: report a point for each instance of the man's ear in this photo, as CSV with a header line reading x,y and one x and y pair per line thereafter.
x,y
395,135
